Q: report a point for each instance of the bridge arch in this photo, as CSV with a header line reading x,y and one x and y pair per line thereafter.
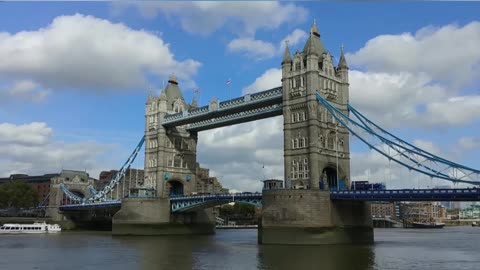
x,y
176,188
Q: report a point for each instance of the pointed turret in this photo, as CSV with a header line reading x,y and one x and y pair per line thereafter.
x,y
314,44
342,63
172,92
150,96
194,103
163,95
286,55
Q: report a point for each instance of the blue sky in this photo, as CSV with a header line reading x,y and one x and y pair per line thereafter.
x,y
81,70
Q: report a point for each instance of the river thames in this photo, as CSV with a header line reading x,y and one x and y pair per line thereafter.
x,y
448,248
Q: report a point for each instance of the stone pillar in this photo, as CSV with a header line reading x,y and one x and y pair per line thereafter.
x,y
151,216
309,217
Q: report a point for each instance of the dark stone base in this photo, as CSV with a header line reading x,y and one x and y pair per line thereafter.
x,y
163,229
315,235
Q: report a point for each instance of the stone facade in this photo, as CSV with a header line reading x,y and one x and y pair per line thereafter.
x,y
314,144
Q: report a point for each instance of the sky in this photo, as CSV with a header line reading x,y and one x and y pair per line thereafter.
x,y
74,77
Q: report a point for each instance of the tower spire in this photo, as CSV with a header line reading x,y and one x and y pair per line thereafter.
x,y
314,30
286,55
342,63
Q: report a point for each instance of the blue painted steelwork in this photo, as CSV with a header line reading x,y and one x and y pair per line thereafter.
x,y
236,118
90,206
246,108
410,158
114,181
180,204
463,194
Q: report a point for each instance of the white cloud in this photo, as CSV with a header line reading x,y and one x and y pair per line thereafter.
x,y
454,111
35,133
269,79
428,146
24,90
259,49
253,48
86,52
294,38
469,143
30,149
449,53
243,151
205,17
409,99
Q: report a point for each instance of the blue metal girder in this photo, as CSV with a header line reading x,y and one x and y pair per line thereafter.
x,y
242,104
464,194
237,118
90,206
180,204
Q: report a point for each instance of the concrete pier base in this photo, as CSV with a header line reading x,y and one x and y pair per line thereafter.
x,y
151,216
309,217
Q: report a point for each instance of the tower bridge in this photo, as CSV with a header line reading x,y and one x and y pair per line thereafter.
x,y
316,205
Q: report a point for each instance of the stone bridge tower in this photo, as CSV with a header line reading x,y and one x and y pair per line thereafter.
x,y
316,154
170,154
316,148
170,166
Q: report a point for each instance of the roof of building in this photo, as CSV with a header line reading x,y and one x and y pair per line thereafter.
x,y
314,44
287,58
28,178
342,63
172,92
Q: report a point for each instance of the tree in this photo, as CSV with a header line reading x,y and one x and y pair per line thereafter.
x,y
18,194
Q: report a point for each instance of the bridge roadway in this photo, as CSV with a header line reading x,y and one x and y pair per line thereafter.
x,y
185,203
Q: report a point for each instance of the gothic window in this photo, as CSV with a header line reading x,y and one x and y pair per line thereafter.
x,y
293,144
170,161
304,116
178,143
324,84
184,163
331,140
298,66
298,82
177,161
302,81
293,117
303,142
185,144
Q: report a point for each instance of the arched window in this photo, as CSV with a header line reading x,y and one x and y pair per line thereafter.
x,y
177,161
331,140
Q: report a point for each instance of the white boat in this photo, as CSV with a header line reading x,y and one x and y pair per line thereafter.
x,y
37,227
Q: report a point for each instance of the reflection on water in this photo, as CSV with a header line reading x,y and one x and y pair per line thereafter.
x,y
449,248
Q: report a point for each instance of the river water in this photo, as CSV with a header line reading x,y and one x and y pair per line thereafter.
x,y
449,248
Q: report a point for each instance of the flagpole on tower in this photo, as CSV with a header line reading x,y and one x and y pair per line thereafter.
x,y
228,83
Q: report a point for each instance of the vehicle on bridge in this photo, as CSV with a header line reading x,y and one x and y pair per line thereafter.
x,y
365,185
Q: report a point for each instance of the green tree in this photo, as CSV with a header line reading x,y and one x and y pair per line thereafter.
x,y
18,194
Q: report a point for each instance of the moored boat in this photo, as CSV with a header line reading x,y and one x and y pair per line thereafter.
x,y
37,227
428,225
475,224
